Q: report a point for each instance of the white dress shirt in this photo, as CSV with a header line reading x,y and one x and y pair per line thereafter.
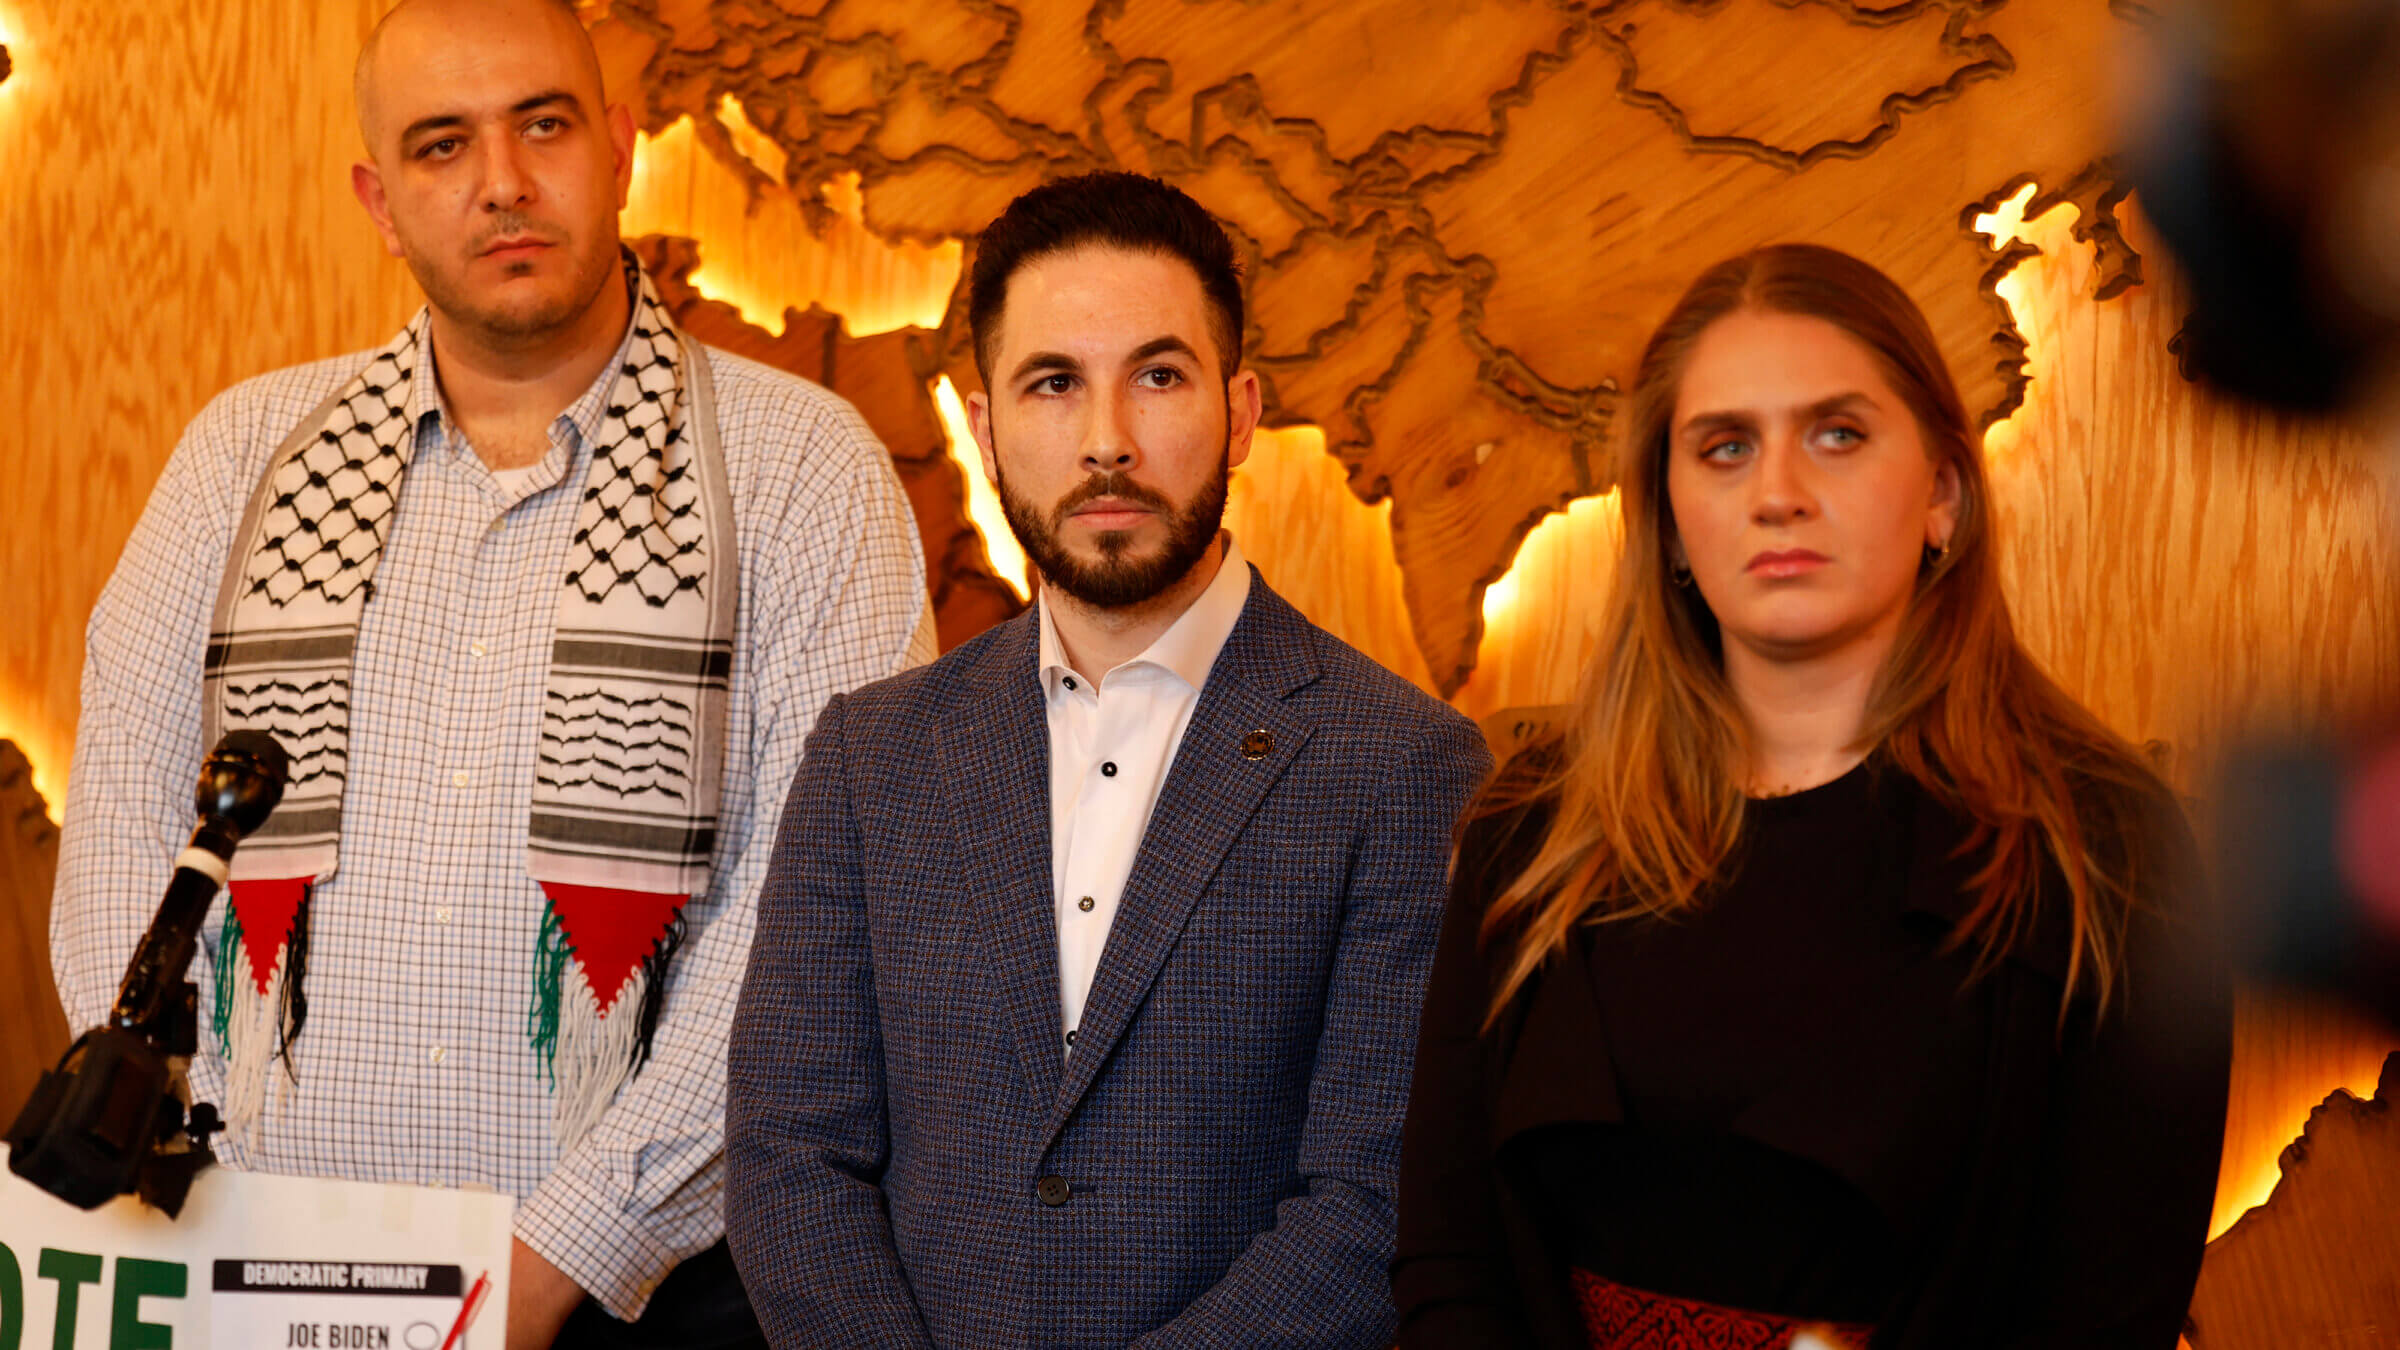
x,y
1110,749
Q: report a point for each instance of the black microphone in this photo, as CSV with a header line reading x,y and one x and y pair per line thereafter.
x,y
240,783
109,1120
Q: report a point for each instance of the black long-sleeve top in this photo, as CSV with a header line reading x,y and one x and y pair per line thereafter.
x,y
1797,1101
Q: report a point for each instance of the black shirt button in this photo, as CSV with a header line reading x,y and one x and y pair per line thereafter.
x,y
1108,769
1068,682
1053,1191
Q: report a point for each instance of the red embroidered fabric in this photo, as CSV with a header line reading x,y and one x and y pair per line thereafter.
x,y
1617,1317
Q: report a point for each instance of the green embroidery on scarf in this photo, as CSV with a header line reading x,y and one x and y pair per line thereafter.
x,y
549,986
229,956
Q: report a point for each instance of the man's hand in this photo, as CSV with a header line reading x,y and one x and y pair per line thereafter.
x,y
540,1298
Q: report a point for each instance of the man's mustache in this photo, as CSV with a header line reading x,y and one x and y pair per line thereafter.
x,y
508,225
1111,484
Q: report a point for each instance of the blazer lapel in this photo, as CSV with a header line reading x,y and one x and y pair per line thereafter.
x,y
994,748
1210,794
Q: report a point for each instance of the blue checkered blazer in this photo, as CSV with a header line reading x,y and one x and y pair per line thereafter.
x,y
1228,1124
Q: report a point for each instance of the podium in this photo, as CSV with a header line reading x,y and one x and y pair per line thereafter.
x,y
255,1262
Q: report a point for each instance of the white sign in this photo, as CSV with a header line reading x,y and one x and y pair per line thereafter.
x,y
255,1263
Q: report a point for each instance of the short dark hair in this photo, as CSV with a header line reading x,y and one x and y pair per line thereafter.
x,y
1116,210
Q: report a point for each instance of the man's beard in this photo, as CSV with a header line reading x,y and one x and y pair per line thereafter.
x,y
1118,580
535,317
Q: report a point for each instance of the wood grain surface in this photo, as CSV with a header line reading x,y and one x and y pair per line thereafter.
x,y
175,215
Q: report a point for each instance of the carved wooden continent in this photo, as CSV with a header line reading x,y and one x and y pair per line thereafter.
x,y
2319,1263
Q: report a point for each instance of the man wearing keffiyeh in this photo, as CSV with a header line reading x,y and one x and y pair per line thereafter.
x,y
542,599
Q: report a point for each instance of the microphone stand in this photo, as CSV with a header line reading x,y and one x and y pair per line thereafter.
x,y
110,1119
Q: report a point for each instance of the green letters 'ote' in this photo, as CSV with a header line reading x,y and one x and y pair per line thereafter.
x,y
12,1300
138,1279
72,1270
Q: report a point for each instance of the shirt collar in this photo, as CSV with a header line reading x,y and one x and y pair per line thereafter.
x,y
583,416
1188,649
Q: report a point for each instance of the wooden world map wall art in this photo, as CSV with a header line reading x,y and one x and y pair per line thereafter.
x,y
1460,218
2319,1263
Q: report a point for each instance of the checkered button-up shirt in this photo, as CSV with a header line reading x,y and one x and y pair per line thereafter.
x,y
415,1064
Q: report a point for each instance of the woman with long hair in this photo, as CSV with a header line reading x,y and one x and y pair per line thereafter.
x,y
1833,971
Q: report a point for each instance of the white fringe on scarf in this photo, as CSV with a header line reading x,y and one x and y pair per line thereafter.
x,y
594,1054
255,1028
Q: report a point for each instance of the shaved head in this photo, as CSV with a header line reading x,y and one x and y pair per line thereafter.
x,y
408,31
495,166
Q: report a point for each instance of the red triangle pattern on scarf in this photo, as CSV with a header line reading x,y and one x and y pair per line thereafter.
x,y
611,931
267,910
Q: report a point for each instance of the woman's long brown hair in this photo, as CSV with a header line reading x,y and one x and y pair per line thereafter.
x,y
1647,788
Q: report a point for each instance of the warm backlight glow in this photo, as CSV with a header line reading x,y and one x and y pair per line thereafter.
x,y
12,57
2002,222
1500,598
758,252
2004,226
1551,549
983,501
1541,619
754,145
2291,1052
49,760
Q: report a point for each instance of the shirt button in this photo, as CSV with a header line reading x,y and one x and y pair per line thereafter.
x,y
1108,769
1053,1191
1068,682
460,779
474,649
436,1055
441,914
1085,904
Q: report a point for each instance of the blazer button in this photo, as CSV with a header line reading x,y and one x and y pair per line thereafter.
x,y
1053,1191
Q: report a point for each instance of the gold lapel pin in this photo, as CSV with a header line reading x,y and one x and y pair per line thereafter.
x,y
1258,744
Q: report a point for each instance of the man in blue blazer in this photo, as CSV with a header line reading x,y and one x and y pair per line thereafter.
x,y
1087,973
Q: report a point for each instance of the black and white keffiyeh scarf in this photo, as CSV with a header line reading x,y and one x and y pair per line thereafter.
x,y
624,810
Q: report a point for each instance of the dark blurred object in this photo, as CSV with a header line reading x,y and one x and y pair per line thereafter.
x,y
2265,144
110,1120
2309,868
2266,149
